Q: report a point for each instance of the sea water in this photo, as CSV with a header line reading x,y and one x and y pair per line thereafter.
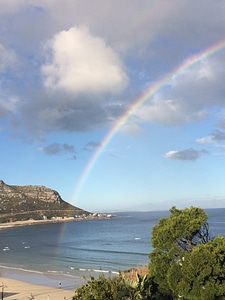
x,y
69,251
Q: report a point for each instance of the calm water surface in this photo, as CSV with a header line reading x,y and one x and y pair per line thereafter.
x,y
82,248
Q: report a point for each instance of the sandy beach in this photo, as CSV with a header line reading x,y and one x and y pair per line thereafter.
x,y
18,290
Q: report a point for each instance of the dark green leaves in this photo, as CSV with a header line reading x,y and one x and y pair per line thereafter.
x,y
185,263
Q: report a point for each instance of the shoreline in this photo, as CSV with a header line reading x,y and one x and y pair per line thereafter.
x,y
13,289
64,220
41,278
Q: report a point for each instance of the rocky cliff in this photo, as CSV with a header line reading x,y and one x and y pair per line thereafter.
x,y
19,203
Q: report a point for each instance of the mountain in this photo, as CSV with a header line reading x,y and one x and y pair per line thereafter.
x,y
180,204
20,203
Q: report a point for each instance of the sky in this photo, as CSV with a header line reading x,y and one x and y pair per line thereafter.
x,y
117,105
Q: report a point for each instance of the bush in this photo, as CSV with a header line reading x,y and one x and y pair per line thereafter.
x,y
119,288
102,288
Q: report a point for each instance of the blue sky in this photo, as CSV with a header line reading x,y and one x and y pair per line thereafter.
x,y
69,71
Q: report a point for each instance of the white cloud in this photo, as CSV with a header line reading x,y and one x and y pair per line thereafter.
x,y
215,139
187,154
187,96
83,63
171,153
205,140
7,58
169,112
132,129
9,105
205,71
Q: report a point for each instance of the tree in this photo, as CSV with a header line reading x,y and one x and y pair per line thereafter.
x,y
185,228
181,232
201,273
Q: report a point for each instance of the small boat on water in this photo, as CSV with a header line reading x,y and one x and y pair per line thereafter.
x,y
6,248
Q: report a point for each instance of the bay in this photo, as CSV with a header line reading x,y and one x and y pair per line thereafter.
x,y
71,250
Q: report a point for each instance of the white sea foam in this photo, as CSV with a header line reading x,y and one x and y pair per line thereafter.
x,y
20,269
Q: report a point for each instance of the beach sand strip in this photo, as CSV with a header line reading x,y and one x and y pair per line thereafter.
x,y
18,290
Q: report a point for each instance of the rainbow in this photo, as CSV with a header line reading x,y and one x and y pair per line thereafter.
x,y
154,88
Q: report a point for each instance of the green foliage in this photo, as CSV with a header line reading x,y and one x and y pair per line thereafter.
x,y
185,227
117,288
171,238
140,289
102,289
185,263
201,273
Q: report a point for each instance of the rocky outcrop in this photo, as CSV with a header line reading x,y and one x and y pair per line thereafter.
x,y
37,192
33,202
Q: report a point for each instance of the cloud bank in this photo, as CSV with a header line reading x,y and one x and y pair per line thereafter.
x,y
72,68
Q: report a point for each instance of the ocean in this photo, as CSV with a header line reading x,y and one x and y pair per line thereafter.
x,y
65,252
